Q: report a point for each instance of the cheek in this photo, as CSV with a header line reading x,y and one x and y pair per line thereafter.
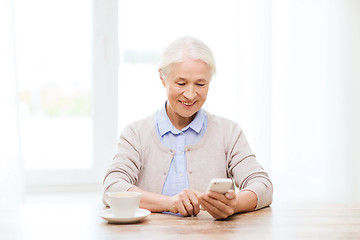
x,y
204,93
174,91
171,94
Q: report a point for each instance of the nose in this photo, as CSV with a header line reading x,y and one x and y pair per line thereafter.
x,y
190,93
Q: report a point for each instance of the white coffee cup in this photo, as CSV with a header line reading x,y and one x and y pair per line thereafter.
x,y
124,204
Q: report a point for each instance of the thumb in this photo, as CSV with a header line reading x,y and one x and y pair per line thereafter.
x,y
230,194
197,194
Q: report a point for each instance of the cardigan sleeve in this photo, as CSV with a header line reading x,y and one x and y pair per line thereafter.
x,y
246,171
123,172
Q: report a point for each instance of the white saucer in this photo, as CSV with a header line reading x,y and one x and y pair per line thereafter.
x,y
139,215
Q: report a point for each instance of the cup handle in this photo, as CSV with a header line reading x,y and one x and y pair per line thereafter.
x,y
106,198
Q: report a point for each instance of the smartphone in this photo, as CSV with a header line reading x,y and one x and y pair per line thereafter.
x,y
220,185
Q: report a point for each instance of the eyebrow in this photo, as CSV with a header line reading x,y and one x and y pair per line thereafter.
x,y
197,80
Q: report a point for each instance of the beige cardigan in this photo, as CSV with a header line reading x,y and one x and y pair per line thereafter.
x,y
223,151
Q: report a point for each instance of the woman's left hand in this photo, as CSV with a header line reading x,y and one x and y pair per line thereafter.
x,y
220,206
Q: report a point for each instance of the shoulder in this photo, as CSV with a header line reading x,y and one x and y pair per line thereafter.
x,y
229,133
224,130
222,124
144,123
140,127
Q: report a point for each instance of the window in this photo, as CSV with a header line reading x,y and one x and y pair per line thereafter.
x,y
53,49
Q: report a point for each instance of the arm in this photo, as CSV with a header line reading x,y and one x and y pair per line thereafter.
x,y
247,173
124,170
253,182
245,201
153,201
185,203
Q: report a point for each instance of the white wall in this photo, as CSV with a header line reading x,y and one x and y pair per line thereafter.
x,y
315,100
343,102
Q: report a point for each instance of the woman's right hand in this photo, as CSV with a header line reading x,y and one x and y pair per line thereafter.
x,y
185,203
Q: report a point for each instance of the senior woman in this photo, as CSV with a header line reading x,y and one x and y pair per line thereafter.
x,y
171,156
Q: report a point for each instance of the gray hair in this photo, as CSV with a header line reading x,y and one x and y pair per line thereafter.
x,y
184,48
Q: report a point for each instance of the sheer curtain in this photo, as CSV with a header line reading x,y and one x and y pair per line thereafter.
x,y
10,156
343,102
315,100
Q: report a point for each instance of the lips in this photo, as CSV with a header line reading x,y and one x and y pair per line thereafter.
x,y
188,103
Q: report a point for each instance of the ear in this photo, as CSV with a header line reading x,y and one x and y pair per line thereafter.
x,y
162,77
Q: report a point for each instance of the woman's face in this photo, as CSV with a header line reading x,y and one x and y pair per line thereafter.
x,y
187,87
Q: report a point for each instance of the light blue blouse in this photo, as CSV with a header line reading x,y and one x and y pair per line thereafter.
x,y
177,178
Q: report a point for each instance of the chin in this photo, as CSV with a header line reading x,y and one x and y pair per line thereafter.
x,y
187,115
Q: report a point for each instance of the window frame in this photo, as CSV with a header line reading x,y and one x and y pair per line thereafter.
x,y
104,108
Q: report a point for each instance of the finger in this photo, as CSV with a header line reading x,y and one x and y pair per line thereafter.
x,y
218,209
195,203
189,208
223,204
191,202
217,196
197,193
228,198
186,202
193,197
179,206
220,202
199,196
211,209
182,210
230,195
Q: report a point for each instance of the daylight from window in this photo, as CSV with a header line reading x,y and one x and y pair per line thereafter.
x,y
53,61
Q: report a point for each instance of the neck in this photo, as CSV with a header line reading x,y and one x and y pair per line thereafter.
x,y
178,121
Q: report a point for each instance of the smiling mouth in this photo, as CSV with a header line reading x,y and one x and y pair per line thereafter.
x,y
187,103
